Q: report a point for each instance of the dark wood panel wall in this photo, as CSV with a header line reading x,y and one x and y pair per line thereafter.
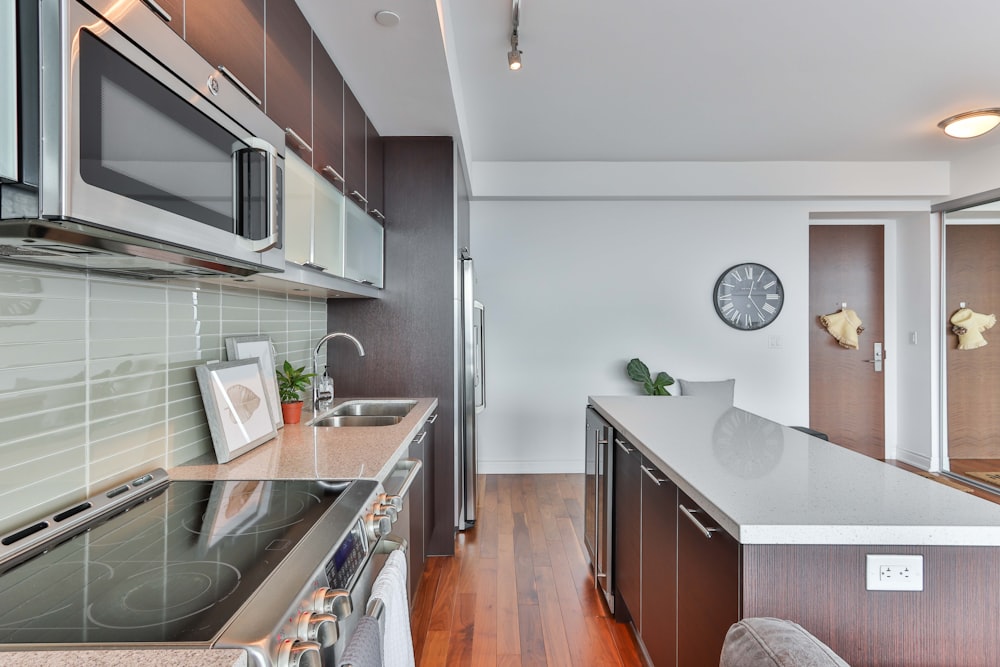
x,y
409,334
973,275
952,622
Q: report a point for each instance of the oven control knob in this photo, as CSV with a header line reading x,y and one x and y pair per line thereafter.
x,y
334,601
387,510
297,653
378,525
393,500
324,629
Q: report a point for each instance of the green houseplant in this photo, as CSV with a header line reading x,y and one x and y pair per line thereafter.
x,y
292,381
639,372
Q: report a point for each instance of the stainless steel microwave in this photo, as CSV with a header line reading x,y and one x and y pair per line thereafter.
x,y
150,162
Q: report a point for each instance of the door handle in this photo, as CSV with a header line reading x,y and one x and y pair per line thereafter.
x,y
879,357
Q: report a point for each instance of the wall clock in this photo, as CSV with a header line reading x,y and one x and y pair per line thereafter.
x,y
748,296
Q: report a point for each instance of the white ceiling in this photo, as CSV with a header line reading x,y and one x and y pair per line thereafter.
x,y
663,80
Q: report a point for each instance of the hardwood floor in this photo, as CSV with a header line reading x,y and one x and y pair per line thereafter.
x,y
518,590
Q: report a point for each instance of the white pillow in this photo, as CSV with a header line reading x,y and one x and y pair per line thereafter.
x,y
720,390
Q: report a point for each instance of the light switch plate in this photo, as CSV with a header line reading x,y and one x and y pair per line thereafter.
x,y
888,572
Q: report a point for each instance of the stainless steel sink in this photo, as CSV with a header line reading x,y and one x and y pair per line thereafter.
x,y
358,420
366,412
374,407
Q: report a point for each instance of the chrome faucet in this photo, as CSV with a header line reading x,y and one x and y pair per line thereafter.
x,y
323,384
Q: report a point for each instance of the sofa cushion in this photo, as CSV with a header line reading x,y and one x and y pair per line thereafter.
x,y
773,642
719,390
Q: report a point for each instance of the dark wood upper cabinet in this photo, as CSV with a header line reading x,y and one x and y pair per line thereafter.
x,y
175,10
229,34
373,158
355,169
288,70
328,116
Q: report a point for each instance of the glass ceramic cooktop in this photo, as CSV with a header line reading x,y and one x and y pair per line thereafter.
x,y
174,568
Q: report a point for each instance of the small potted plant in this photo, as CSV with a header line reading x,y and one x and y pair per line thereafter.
x,y
291,381
639,372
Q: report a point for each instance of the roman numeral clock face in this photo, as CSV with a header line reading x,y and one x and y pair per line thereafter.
x,y
748,296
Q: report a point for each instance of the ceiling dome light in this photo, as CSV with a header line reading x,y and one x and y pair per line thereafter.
x,y
386,18
971,123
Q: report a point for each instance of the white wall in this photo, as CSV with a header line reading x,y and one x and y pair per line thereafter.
x,y
575,289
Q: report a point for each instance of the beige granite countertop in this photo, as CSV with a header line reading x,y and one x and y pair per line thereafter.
x,y
305,452
128,658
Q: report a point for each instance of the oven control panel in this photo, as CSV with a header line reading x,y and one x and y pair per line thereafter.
x,y
348,558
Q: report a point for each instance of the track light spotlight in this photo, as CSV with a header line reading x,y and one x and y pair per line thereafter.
x,y
514,55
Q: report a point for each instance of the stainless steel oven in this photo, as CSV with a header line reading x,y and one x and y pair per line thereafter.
x,y
150,159
280,568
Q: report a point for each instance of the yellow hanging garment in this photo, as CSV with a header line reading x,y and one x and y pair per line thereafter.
x,y
845,326
970,326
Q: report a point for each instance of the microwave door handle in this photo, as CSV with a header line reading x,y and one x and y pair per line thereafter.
x,y
273,236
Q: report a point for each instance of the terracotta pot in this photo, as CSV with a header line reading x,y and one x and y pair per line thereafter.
x,y
291,413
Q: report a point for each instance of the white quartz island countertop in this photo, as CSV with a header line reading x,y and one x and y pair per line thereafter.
x,y
323,452
765,483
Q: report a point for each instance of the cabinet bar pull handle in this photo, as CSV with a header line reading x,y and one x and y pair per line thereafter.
x,y
707,532
299,140
420,439
377,213
239,84
310,265
625,448
434,418
333,172
649,473
159,10
360,197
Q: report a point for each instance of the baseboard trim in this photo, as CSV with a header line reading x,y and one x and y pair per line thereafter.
x,y
914,459
529,467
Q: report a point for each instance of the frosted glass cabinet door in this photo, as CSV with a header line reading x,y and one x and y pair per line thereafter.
x,y
8,92
362,246
328,227
299,188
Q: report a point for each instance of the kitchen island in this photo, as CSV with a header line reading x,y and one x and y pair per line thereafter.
x,y
794,519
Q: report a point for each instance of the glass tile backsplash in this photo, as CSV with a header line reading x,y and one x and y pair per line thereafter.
x,y
97,380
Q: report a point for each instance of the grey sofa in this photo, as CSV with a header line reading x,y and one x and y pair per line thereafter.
x,y
773,642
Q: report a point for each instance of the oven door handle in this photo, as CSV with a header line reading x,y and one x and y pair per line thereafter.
x,y
390,543
414,466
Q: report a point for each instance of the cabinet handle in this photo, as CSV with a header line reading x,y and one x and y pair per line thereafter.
x,y
299,140
625,448
433,418
333,172
420,439
158,9
310,265
690,514
378,214
360,197
239,84
649,473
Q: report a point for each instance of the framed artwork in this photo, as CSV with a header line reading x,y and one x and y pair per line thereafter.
x,y
249,347
239,416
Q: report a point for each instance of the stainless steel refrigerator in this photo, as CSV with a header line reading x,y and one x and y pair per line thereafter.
x,y
473,393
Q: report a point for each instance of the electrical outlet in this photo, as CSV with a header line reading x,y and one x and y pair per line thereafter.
x,y
887,572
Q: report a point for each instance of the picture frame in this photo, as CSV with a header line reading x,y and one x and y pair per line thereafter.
x,y
236,405
248,347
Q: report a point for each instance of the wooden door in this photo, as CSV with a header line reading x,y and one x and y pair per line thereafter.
x,y
708,585
355,167
288,70
628,531
972,277
846,392
230,34
659,566
328,116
